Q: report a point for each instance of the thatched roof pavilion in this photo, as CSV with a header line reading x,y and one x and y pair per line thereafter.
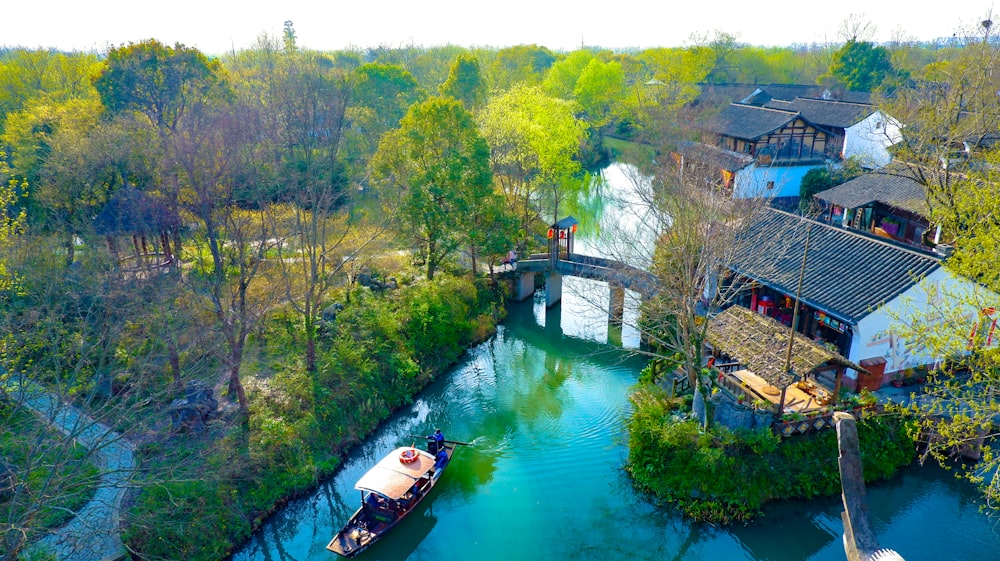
x,y
761,344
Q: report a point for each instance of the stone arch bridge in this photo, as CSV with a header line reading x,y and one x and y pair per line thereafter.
x,y
560,261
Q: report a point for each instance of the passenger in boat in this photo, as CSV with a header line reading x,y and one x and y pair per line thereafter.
x,y
441,459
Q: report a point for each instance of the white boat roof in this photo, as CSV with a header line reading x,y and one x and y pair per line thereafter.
x,y
391,477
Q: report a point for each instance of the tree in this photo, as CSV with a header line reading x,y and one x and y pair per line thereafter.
x,y
817,180
214,150
155,80
382,95
432,169
688,235
950,115
521,64
958,405
599,91
533,139
675,75
860,66
303,100
723,47
74,338
560,81
160,84
75,163
465,83
44,77
11,224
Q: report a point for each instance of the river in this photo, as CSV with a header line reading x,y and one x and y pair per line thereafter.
x,y
544,403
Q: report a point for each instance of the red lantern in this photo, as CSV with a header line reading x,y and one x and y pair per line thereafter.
x,y
573,228
551,233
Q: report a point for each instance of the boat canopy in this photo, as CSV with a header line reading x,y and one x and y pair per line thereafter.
x,y
391,477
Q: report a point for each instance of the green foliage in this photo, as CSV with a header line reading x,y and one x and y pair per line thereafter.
x,y
599,90
155,80
464,82
380,351
723,476
382,95
534,139
11,224
860,66
817,180
521,64
433,172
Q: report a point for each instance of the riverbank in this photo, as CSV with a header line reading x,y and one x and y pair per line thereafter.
x,y
379,353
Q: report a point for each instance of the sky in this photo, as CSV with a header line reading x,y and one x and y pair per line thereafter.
x,y
219,26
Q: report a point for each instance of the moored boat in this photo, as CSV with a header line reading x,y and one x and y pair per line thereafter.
x,y
390,491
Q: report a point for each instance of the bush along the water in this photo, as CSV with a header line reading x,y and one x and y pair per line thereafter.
x,y
380,352
726,476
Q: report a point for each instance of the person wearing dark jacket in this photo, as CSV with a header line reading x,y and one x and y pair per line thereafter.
x,y
435,441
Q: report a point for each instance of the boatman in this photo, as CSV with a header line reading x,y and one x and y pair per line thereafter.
x,y
435,441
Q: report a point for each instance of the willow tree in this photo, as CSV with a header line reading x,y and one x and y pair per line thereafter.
x,y
533,140
432,172
681,226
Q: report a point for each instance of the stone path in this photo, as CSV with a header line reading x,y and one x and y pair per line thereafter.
x,y
93,535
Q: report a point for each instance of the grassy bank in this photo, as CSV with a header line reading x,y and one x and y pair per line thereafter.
x,y
380,351
723,476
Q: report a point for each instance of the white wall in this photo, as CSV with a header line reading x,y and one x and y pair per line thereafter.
x,y
752,181
939,295
869,139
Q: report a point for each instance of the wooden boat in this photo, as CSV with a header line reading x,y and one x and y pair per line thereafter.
x,y
390,491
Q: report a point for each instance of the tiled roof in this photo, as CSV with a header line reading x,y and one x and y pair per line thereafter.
x,y
826,113
893,188
748,122
718,95
788,92
847,274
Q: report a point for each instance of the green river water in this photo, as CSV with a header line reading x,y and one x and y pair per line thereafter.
x,y
544,403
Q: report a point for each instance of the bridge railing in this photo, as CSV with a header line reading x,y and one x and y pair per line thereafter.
x,y
597,268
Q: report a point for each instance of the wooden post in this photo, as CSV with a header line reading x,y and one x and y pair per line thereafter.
x,y
836,384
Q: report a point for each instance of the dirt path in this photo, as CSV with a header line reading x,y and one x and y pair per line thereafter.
x,y
93,535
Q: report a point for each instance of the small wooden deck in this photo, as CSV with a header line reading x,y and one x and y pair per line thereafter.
x,y
800,397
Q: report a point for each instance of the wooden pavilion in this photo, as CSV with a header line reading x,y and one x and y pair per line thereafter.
x,y
761,367
145,224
